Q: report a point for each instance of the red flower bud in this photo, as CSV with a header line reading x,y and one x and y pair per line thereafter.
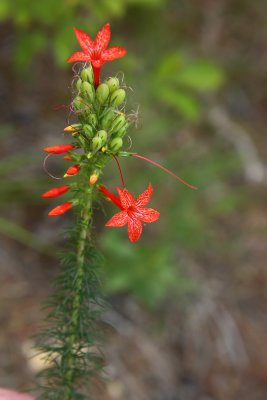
x,y
61,209
93,178
59,149
56,191
73,170
68,158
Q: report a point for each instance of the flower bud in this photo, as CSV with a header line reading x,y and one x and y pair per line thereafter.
x,y
73,170
72,128
78,103
113,84
93,178
89,156
118,122
61,209
92,119
96,143
116,144
121,132
87,74
102,93
68,158
56,191
117,97
88,130
78,84
59,149
103,136
88,91
107,119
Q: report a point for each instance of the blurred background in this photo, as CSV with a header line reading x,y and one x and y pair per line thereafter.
x,y
187,319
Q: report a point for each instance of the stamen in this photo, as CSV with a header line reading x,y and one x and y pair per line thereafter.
x,y
164,169
45,168
120,171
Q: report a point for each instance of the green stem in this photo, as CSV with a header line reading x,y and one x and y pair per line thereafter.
x,y
69,359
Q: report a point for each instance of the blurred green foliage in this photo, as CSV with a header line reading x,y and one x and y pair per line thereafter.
x,y
43,24
170,82
177,81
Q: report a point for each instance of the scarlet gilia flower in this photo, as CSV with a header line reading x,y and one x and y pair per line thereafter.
x,y
95,51
55,192
61,209
132,211
59,149
73,170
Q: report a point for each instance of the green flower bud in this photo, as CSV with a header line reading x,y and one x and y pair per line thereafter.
x,y
103,136
117,97
78,103
107,119
118,122
102,93
92,119
116,144
113,84
121,132
88,130
88,91
81,140
87,75
88,156
78,84
96,143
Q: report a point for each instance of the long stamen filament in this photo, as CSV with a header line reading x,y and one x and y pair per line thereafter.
x,y
164,169
120,171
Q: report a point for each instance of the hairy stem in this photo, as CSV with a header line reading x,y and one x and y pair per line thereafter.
x,y
68,360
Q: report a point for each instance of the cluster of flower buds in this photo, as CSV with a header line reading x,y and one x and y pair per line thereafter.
x,y
102,123
98,133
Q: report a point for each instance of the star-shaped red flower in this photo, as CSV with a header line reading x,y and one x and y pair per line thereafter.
x,y
133,211
95,51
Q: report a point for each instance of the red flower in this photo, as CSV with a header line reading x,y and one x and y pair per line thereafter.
x,y
133,211
96,51
59,149
55,192
61,209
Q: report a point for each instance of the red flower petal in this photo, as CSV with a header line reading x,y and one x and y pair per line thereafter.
x,y
143,198
84,39
102,38
126,197
134,229
147,215
61,209
113,52
119,219
115,199
79,56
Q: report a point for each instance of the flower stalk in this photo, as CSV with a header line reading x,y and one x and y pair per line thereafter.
x,y
68,361
70,338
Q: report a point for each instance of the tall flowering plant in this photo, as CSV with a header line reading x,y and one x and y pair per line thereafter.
x,y
96,137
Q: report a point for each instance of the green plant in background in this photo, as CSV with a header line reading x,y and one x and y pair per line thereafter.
x,y
53,21
177,81
174,84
